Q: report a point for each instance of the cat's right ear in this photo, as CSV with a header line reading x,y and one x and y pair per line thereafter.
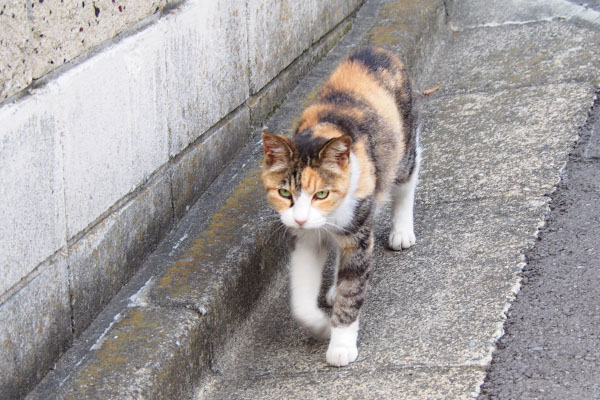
x,y
278,149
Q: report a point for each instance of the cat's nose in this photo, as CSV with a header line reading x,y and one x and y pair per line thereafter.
x,y
300,222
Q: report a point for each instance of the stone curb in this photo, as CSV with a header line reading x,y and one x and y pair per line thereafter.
x,y
156,338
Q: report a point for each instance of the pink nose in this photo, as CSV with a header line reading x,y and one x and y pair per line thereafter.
x,y
300,222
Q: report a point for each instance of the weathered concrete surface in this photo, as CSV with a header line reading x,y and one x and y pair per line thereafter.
x,y
36,320
279,31
376,384
508,56
515,12
116,247
154,344
32,174
472,137
200,164
37,36
550,349
410,37
202,89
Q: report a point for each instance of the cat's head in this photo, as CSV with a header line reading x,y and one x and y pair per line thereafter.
x,y
307,177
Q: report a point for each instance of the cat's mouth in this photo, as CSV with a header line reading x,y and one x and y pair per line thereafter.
x,y
308,226
303,225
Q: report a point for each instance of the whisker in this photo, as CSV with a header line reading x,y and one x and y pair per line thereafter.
x,y
277,230
334,225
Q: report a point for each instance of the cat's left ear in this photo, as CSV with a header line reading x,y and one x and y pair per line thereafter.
x,y
337,151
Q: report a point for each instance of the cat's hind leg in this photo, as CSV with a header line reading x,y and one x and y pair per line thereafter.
x,y
402,235
306,268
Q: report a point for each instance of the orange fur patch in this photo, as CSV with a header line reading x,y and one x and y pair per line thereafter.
x,y
311,181
366,181
353,77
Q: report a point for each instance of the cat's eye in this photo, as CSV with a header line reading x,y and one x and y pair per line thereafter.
x,y
285,193
322,194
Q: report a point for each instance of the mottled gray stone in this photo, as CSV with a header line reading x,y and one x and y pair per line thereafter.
x,y
213,265
35,328
45,35
489,13
278,32
233,253
410,29
206,57
195,170
510,56
380,383
111,147
112,251
264,103
15,41
512,142
32,208
327,14
142,345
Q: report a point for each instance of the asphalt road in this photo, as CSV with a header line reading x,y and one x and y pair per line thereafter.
x,y
552,341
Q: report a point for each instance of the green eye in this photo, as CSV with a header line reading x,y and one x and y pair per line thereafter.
x,y
322,194
285,193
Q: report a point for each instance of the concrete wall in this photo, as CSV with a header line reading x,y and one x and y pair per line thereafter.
x,y
115,116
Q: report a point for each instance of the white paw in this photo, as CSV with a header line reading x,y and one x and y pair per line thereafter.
x,y
341,355
402,238
330,296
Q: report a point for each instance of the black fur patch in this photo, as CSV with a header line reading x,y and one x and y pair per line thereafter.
x,y
373,60
342,99
308,145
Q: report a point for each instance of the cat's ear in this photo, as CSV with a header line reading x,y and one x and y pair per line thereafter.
x,y
278,149
337,151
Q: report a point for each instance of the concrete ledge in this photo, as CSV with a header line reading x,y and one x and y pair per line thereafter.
x,y
116,248
150,344
156,337
36,320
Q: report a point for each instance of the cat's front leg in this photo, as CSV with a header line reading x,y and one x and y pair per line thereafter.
x,y
353,275
306,268
330,295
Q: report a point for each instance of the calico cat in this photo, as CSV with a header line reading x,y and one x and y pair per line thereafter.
x,y
353,147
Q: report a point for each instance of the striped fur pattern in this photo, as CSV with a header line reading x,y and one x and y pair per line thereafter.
x,y
353,147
